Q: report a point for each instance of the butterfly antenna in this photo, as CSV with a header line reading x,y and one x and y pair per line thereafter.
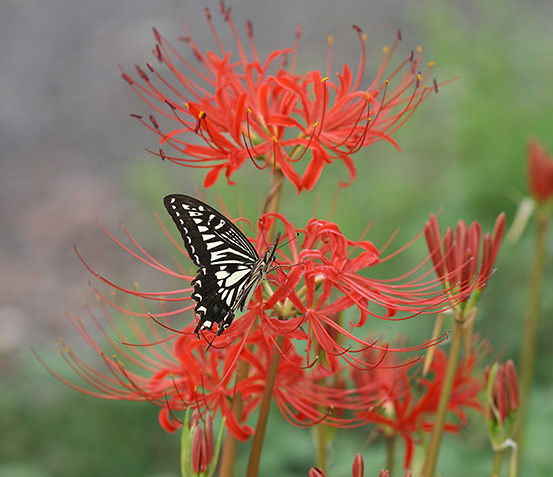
x,y
211,342
263,232
288,241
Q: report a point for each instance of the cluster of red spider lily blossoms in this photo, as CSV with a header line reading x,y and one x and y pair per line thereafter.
x,y
314,310
409,399
250,111
314,300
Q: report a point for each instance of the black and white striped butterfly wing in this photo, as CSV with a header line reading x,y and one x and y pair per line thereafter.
x,y
225,257
258,273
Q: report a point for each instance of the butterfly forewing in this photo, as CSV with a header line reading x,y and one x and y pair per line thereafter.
x,y
230,268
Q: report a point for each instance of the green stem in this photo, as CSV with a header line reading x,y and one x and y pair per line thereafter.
x,y
226,467
443,403
322,445
272,203
230,447
497,461
513,461
531,328
257,444
390,453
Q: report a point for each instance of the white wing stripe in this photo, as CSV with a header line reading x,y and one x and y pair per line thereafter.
x,y
211,245
236,277
222,254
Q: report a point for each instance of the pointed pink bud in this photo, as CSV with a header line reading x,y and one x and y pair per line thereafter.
x,y
202,443
511,381
316,472
198,451
500,395
358,466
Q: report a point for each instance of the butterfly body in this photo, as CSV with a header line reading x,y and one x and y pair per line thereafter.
x,y
230,269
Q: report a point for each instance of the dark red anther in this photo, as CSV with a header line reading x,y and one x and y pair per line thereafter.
x,y
150,67
399,35
140,71
199,122
227,14
357,29
161,154
156,35
157,54
137,116
298,32
127,78
225,11
154,122
249,28
435,85
207,13
411,55
170,104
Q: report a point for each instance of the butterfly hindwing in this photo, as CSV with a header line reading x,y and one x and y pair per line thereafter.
x,y
229,267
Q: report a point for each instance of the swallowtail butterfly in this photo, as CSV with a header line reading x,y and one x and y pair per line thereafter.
x,y
230,269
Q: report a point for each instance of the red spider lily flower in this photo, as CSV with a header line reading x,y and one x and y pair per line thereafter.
x,y
326,275
456,259
540,171
323,277
183,376
409,403
264,112
502,401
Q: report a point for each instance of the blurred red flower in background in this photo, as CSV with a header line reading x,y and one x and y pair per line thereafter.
x,y
408,403
540,171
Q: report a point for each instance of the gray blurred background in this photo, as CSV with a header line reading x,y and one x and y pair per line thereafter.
x,y
71,155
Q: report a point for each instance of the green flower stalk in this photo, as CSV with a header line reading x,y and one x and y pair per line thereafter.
x,y
465,276
540,178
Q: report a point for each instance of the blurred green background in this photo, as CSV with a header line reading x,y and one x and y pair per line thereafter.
x,y
70,155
